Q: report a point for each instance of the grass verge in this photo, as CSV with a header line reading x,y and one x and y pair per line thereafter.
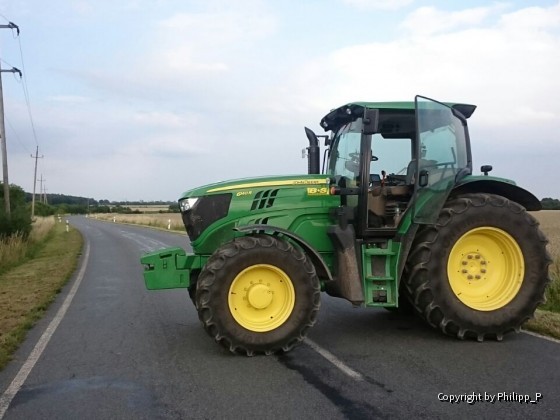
x,y
545,323
547,317
27,289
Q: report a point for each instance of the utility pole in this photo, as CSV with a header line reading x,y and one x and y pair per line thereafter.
x,y
3,133
35,181
42,189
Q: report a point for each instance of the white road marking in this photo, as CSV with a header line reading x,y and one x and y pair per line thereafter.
x,y
25,370
554,340
334,360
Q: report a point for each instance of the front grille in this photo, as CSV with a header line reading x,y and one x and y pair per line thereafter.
x,y
206,211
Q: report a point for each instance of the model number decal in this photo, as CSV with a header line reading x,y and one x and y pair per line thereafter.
x,y
242,193
317,191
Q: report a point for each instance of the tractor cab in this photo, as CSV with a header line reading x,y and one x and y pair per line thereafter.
x,y
385,156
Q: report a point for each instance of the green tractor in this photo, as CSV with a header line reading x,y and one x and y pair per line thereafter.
x,y
396,217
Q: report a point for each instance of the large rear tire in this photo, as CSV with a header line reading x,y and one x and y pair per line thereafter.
x,y
258,294
481,270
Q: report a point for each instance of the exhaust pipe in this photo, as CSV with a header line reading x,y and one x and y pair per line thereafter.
x,y
313,155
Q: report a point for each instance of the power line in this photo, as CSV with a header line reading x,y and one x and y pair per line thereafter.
x,y
16,134
26,91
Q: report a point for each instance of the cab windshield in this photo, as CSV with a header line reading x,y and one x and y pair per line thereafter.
x,y
344,158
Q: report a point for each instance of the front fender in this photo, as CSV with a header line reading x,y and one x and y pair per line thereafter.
x,y
322,269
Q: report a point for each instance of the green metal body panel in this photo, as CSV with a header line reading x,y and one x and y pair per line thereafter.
x,y
300,204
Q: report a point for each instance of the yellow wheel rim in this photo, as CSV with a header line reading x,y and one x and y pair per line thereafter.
x,y
486,268
261,297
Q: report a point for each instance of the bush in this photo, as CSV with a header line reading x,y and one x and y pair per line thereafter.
x,y
20,220
19,223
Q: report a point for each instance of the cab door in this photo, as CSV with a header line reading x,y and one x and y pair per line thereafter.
x,y
442,156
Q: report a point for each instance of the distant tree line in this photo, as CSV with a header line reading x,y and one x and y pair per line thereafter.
x,y
550,203
63,204
20,221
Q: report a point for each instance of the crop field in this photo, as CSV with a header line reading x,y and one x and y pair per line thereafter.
x,y
149,208
550,225
158,220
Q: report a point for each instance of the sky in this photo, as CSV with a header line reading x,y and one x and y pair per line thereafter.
x,y
144,99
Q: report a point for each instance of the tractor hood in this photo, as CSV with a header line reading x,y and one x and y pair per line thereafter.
x,y
245,185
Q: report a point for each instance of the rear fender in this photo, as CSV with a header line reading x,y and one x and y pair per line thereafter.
x,y
498,186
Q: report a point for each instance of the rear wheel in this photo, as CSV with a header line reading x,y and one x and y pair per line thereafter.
x,y
481,270
258,294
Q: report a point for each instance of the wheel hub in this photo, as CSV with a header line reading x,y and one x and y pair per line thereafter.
x,y
474,266
259,296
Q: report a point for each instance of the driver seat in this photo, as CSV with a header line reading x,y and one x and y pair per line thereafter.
x,y
410,179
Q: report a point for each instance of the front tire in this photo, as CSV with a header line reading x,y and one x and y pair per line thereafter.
x,y
481,270
258,294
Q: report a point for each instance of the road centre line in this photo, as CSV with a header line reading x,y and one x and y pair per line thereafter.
x,y
334,360
25,370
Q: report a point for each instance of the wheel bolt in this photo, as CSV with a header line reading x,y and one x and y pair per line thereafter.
x,y
477,277
469,257
464,263
483,270
477,257
464,271
470,277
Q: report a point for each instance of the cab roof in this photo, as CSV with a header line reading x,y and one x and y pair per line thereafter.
x,y
388,110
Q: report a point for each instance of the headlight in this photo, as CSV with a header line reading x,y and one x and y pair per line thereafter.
x,y
187,203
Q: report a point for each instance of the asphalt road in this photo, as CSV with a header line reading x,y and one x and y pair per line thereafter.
x,y
121,352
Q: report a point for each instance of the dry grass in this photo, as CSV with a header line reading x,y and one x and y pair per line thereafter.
x,y
14,249
545,323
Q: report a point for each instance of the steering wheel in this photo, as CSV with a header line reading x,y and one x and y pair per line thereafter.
x,y
356,157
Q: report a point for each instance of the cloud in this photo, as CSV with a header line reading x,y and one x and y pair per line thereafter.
x,y
507,72
430,20
69,99
379,4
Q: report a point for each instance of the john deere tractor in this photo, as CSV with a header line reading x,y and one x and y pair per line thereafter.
x,y
396,217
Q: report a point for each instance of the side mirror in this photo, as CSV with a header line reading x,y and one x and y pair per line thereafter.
x,y
370,121
485,169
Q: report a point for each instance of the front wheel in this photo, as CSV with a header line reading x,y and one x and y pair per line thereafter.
x,y
258,294
481,270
